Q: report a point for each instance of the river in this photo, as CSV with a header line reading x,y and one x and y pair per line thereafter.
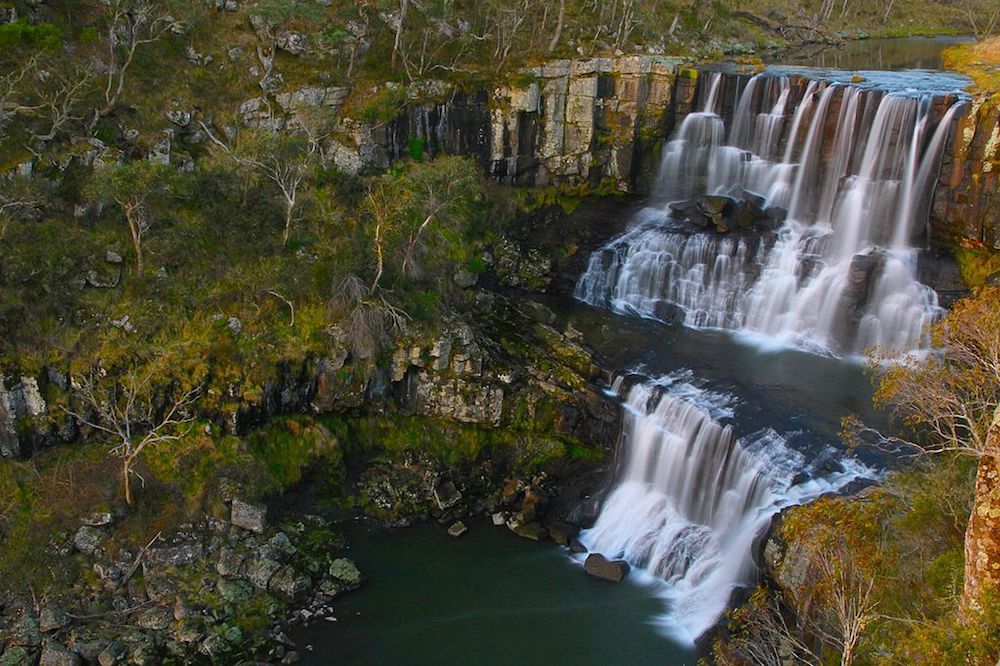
x,y
733,414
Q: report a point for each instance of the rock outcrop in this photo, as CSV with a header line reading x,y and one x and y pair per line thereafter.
x,y
186,599
967,198
566,122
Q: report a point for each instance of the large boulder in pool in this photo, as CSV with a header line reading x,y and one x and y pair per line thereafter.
x,y
601,567
711,204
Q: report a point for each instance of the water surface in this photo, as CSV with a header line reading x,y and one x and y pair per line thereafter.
x,y
488,597
894,53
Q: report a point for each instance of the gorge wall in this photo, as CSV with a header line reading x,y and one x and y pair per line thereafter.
x,y
565,122
603,121
967,200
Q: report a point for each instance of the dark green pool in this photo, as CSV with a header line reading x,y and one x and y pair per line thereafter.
x,y
485,598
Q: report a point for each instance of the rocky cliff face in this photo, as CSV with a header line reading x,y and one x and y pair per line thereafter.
x,y
567,122
504,364
967,199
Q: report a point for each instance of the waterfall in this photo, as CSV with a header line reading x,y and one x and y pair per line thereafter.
x,y
691,497
844,172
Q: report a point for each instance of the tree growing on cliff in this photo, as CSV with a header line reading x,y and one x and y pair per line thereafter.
x,y
136,187
417,215
130,26
131,413
273,19
286,160
950,402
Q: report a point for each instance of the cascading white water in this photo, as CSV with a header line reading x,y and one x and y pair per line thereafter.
x,y
691,497
853,167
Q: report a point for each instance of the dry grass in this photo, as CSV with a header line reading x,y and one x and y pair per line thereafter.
x,y
981,61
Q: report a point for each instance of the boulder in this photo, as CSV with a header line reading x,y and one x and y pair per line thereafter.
x,y
776,214
601,567
99,519
262,571
446,495
248,516
175,555
18,656
156,618
290,584
52,618
54,654
457,529
234,591
279,547
230,562
346,573
712,205
114,653
88,539
576,546
533,531
563,533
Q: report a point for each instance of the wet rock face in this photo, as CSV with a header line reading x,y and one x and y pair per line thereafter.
x,y
599,566
967,199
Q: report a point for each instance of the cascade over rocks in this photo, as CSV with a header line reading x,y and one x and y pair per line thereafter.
x,y
848,170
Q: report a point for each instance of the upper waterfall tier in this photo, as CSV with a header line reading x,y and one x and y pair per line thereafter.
x,y
847,171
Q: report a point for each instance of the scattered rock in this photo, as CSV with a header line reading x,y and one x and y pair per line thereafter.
x,y
54,654
234,325
345,572
52,618
499,518
457,529
533,531
576,546
113,258
88,539
248,516
290,584
260,574
601,567
563,533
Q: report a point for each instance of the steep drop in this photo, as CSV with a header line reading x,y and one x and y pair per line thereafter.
x,y
692,496
843,174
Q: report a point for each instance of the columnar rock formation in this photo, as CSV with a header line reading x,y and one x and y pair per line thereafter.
x,y
565,122
583,120
601,121
967,200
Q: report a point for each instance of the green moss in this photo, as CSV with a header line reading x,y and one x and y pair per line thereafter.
x,y
384,106
976,264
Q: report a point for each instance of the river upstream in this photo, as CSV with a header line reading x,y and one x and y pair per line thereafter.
x,y
737,355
